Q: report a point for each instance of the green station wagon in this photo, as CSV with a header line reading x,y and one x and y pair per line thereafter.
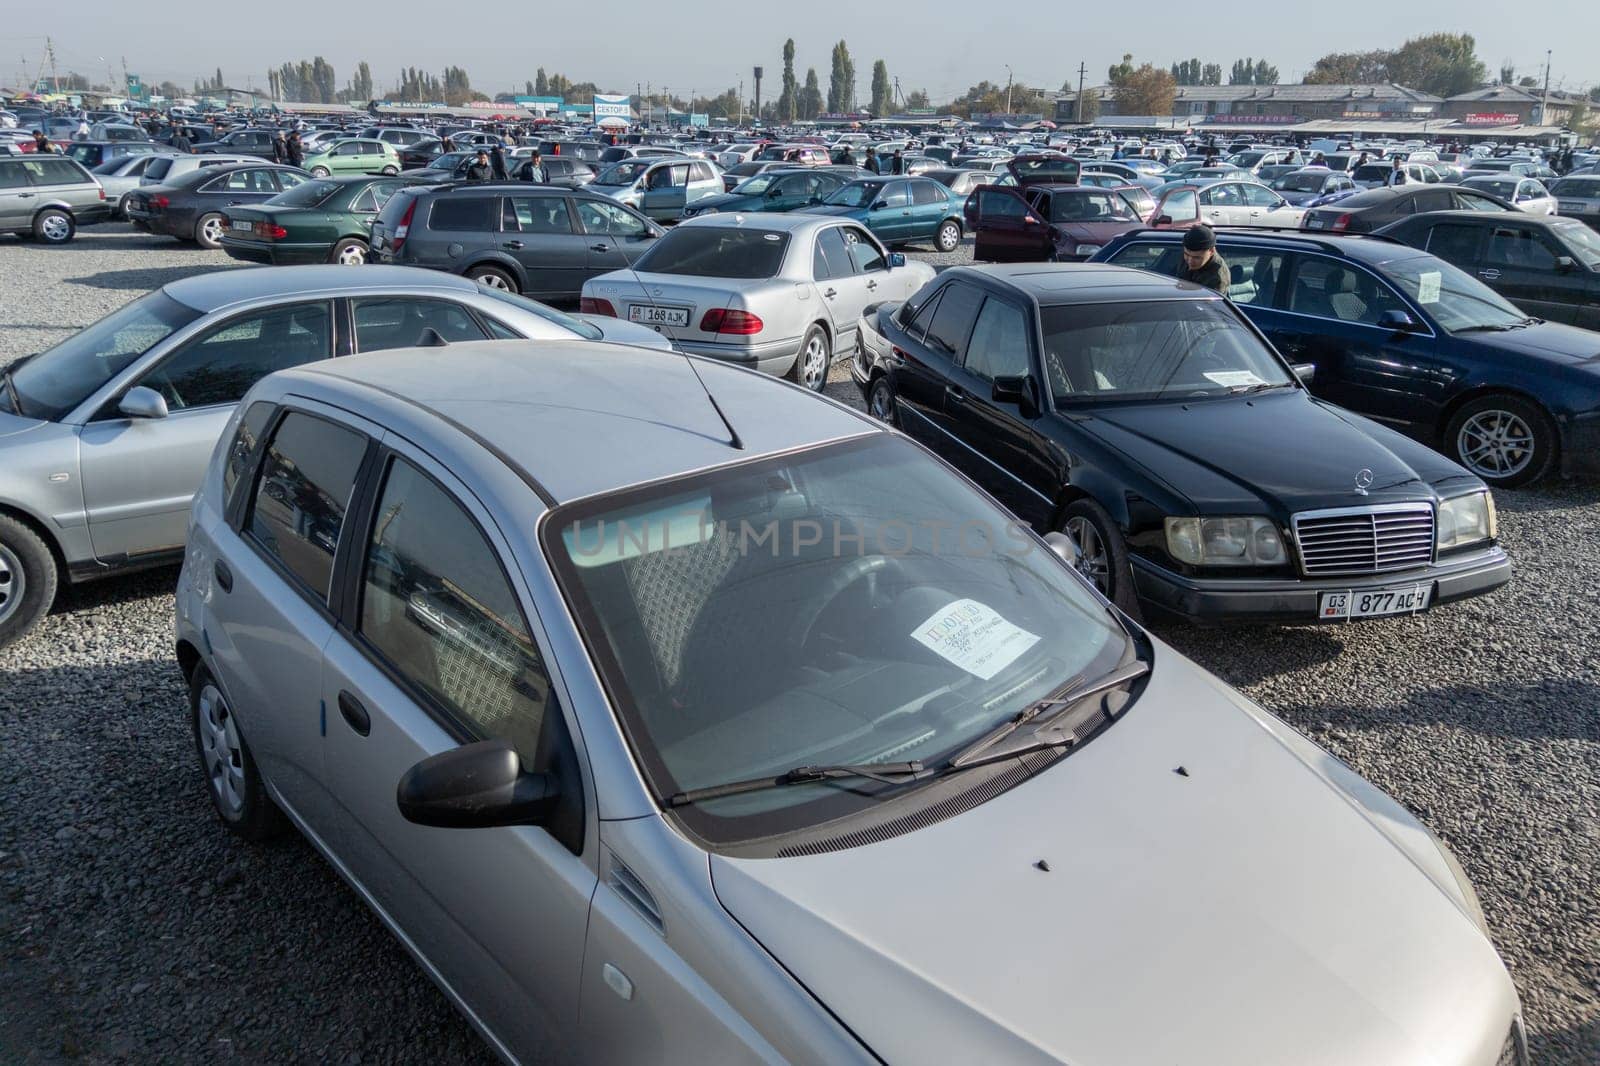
x,y
325,220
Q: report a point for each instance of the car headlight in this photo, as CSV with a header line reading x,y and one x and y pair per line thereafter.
x,y
1466,520
1086,249
1242,541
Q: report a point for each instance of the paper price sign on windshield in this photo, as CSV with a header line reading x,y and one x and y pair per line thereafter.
x,y
974,638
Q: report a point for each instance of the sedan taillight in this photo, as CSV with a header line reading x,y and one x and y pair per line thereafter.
x,y
594,305
270,230
1341,223
159,201
719,320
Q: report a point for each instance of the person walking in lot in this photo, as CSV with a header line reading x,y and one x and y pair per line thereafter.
x,y
480,169
497,162
280,148
872,163
845,158
897,165
83,130
1361,161
1201,263
1397,175
294,148
534,170
180,140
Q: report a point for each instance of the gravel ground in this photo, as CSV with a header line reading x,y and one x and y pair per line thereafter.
x,y
132,928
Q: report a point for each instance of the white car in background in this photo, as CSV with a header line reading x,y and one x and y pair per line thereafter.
x,y
1528,194
777,292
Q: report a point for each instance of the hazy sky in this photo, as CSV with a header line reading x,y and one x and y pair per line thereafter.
x,y
941,46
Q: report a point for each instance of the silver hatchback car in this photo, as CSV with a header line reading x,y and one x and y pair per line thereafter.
x,y
668,714
103,438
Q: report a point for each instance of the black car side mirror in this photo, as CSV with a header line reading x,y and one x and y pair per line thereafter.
x,y
1398,321
1565,264
1163,220
1019,390
876,205
475,786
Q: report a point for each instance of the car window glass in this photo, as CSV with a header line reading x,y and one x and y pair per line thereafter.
x,y
864,253
703,172
831,256
400,322
1252,277
464,213
13,176
1518,248
1259,196
221,365
243,445
999,344
1339,291
926,192
1147,255
1180,206
922,316
952,322
995,204
895,194
436,603
1221,196
1454,242
608,219
1432,200
1473,202
537,214
302,493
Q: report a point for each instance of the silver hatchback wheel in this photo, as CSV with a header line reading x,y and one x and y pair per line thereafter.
x,y
13,583
1495,444
1093,560
220,751
55,228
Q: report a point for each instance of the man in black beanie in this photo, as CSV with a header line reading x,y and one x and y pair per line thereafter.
x,y
1201,263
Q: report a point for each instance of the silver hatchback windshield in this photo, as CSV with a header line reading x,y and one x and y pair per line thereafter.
x,y
854,604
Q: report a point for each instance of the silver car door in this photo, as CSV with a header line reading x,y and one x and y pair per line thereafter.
x,y
435,650
139,475
867,285
832,266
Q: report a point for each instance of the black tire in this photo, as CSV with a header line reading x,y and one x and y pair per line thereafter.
x,y
390,171
815,353
254,816
1103,552
1505,440
948,237
28,579
208,230
880,400
494,277
352,251
54,226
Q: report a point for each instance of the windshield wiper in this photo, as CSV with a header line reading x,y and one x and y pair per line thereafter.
x,y
892,773
11,387
1075,692
1245,390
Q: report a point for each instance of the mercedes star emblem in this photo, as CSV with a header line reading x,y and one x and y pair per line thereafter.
x,y
1363,481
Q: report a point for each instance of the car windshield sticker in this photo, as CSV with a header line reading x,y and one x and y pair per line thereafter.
x,y
1428,286
974,638
1232,378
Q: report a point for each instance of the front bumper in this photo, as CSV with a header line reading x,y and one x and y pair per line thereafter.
x,y
1580,445
1295,601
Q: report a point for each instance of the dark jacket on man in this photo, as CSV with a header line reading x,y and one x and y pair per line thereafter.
x,y
477,171
1214,275
296,150
497,162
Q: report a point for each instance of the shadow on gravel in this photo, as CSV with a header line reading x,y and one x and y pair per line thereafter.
x,y
1278,646
1549,495
147,279
93,595
1555,708
1579,1046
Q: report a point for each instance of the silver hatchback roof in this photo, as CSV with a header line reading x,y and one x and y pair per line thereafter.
x,y
209,292
581,418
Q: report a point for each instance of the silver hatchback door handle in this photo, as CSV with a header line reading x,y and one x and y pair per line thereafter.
x,y
830,294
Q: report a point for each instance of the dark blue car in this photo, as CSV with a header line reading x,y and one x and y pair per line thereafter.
x,y
1401,336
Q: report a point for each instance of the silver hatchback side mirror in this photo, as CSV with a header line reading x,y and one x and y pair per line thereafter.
x,y
143,402
1064,547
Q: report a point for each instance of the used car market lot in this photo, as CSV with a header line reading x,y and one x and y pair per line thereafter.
x,y
134,928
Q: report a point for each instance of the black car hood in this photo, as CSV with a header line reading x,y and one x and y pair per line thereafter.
x,y
1283,451
1547,340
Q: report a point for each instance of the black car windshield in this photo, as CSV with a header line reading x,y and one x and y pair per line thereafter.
x,y
855,194
1300,181
852,603
1456,300
1583,242
1373,172
306,194
53,382
1163,349
716,252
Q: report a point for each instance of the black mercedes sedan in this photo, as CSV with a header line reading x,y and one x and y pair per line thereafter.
x,y
193,207
1373,209
1149,420
1402,336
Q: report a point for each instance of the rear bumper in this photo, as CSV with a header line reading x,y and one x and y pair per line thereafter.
x,y
771,357
275,254
1296,601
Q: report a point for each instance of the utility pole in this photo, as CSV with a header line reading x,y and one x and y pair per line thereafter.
x,y
1082,70
1544,106
50,50
1008,88
741,101
758,72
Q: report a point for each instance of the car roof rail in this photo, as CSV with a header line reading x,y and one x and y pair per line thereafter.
x,y
1327,242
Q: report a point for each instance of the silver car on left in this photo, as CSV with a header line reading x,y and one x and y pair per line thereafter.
x,y
103,438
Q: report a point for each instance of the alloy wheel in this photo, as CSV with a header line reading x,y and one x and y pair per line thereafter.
x,y
211,229
1495,444
881,402
494,281
55,228
1093,560
220,750
13,583
353,255
814,365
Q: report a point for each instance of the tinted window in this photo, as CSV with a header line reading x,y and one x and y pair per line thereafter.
x,y
864,254
831,257
1329,289
537,214
251,426
436,604
221,366
994,204
13,176
1519,248
464,213
1454,242
1470,201
1253,278
400,321
302,494
953,319
999,345
57,172
925,192
717,252
922,317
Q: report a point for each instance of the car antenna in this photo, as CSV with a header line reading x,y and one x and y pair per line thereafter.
x,y
734,440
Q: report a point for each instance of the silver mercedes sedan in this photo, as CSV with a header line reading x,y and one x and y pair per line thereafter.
x,y
781,293
103,438
668,714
